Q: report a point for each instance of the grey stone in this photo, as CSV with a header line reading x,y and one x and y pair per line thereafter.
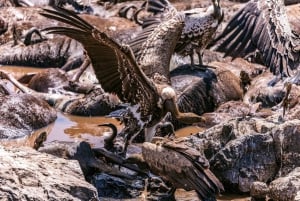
x,y
287,149
259,190
286,188
26,174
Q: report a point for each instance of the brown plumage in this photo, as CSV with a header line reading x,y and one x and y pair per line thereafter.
x,y
199,29
183,166
262,25
118,71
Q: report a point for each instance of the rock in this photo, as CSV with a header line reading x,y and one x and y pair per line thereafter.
x,y
246,150
259,190
286,188
287,151
115,187
240,151
26,174
241,162
20,114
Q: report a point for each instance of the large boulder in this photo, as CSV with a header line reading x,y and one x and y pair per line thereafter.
x,y
26,174
285,138
245,150
245,160
20,114
286,188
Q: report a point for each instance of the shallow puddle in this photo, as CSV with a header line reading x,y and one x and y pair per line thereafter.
x,y
75,128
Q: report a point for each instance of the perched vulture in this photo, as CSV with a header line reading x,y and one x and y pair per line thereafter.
x,y
198,31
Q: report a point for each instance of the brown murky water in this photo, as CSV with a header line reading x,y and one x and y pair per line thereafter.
x,y
78,128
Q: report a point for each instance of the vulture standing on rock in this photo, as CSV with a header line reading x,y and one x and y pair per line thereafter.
x,y
263,25
119,72
199,29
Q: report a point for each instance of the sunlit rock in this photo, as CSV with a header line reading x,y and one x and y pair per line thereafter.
x,y
287,149
26,174
244,160
286,188
246,150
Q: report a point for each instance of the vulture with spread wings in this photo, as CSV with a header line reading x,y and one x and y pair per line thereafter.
x,y
200,26
119,72
263,25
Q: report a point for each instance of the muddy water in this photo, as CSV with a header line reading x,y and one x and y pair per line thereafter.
x,y
76,128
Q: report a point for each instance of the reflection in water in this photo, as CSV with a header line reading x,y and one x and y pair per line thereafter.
x,y
77,128
189,130
71,129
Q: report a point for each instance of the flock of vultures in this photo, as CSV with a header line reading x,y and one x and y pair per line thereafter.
x,y
157,66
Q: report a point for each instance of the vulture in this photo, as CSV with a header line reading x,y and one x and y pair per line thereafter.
x,y
263,25
182,166
151,96
177,163
199,29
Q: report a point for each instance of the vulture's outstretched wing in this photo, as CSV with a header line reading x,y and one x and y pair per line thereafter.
x,y
261,25
114,64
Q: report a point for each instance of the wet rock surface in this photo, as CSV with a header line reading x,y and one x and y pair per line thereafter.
x,y
29,175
